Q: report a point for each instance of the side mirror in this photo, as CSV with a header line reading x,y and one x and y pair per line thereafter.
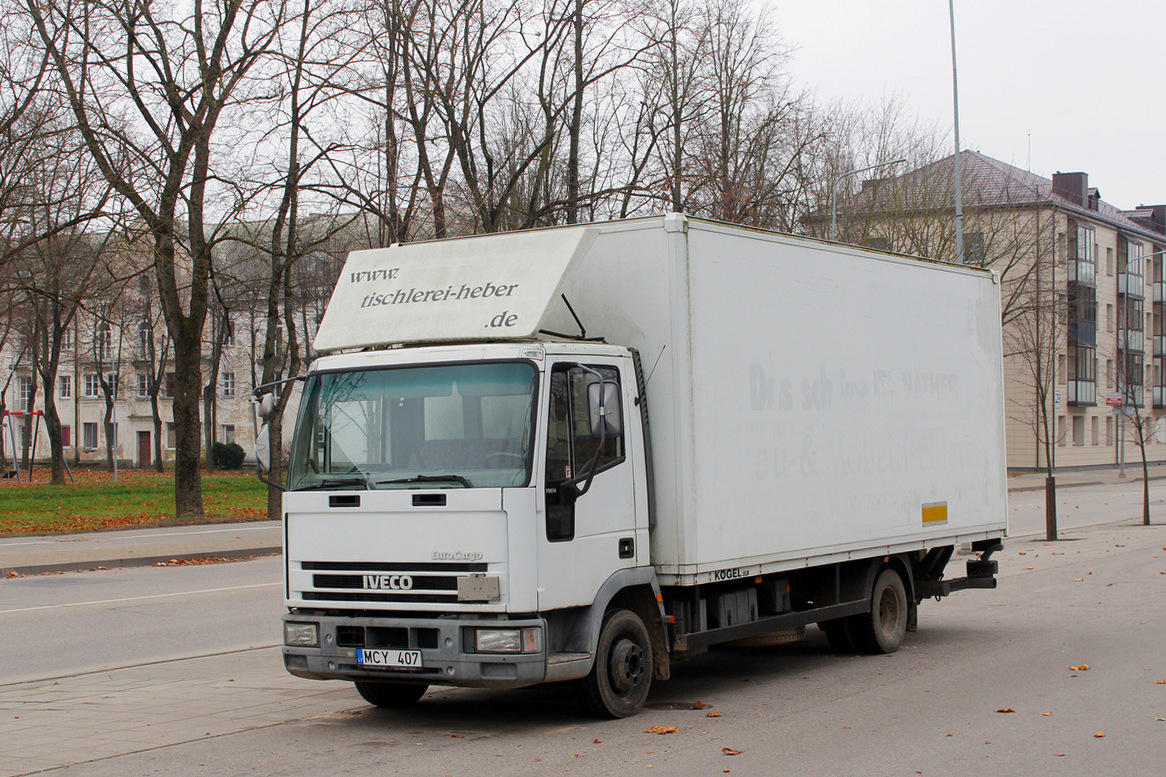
x,y
266,405
263,446
603,404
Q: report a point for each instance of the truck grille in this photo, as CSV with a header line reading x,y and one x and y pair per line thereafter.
x,y
382,582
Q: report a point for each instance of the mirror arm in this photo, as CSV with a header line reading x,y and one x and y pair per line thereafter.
x,y
264,479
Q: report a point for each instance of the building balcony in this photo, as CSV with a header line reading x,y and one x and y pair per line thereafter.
x,y
1131,285
1082,392
1082,333
1131,341
1159,345
1159,397
1082,271
1159,291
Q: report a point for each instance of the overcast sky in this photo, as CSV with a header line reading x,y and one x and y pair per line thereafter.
x,y
1046,85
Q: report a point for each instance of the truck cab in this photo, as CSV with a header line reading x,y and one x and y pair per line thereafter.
x,y
454,513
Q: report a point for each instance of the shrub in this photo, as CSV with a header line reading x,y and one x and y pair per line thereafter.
x,y
227,455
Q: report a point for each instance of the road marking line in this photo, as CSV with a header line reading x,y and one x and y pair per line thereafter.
x,y
139,598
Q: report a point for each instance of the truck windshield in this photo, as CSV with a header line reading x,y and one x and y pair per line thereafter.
x,y
446,426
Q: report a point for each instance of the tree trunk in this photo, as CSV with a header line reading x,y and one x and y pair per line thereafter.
x,y
187,393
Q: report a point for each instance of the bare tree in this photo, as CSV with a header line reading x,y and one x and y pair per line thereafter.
x,y
148,88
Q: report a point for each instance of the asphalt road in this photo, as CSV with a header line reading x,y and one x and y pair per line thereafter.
x,y
66,624
992,684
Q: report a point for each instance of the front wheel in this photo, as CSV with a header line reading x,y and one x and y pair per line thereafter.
x,y
390,695
883,629
621,677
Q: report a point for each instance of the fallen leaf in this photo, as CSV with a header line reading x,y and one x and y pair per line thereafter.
x,y
661,730
598,741
1160,682
1099,735
1047,714
458,736
699,705
1006,709
730,751
1080,668
1078,580
1059,755
712,714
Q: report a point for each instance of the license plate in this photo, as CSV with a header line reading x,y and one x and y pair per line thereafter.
x,y
389,659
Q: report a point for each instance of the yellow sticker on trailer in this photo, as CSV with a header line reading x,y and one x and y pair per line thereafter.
x,y
935,514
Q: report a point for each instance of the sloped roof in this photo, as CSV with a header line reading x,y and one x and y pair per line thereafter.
x,y
987,183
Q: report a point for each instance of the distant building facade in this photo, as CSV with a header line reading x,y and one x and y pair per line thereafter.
x,y
112,365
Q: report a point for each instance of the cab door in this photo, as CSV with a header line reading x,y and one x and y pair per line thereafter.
x,y
585,537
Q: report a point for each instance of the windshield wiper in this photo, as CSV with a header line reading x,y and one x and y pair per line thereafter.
x,y
332,482
429,479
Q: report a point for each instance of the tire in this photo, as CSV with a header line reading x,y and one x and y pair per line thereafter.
x,y
619,681
883,629
391,696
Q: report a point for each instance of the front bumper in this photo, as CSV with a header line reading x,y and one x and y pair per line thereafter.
x,y
446,646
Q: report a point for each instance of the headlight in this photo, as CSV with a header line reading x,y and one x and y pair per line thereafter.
x,y
301,634
508,640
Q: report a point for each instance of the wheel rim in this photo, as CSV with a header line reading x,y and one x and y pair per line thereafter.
x,y
889,611
626,666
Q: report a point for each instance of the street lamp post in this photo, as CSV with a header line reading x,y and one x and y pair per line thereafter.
x,y
834,192
955,98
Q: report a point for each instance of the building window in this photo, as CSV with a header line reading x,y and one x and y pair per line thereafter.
x,y
89,436
67,338
65,386
228,384
1082,376
92,387
111,381
171,436
23,393
1109,430
1061,432
1078,430
1083,254
143,384
228,333
1096,435
228,433
975,250
66,436
1109,318
1109,261
170,384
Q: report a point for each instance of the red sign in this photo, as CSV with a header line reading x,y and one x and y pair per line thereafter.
x,y
1113,400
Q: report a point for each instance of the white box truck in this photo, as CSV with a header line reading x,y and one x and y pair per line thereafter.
x,y
583,453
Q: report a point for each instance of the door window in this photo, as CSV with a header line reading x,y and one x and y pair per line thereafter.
x,y
572,445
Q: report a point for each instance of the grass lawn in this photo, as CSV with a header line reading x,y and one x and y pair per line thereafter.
x,y
139,498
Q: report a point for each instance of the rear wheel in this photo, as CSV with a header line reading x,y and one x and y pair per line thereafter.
x,y
883,629
621,677
390,695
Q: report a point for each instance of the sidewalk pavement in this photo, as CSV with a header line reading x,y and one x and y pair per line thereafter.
x,y
30,555
143,547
